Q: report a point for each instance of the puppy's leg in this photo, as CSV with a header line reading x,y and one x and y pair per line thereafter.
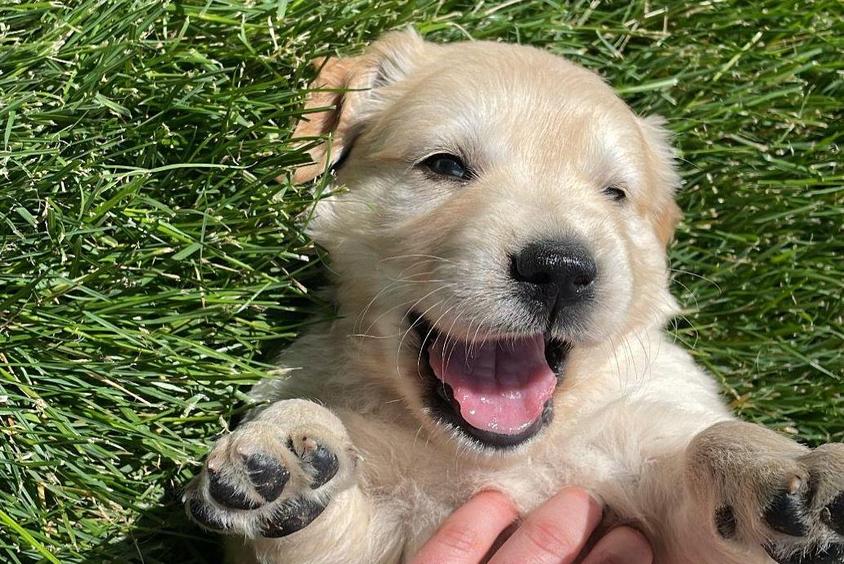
x,y
282,481
757,490
707,489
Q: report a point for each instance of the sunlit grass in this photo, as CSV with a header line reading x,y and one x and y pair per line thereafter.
x,y
148,260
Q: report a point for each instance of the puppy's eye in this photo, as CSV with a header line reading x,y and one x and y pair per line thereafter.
x,y
443,164
615,193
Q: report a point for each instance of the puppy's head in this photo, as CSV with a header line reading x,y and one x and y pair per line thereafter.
x,y
504,208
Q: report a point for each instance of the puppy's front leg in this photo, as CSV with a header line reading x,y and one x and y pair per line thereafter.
x,y
285,485
762,495
707,489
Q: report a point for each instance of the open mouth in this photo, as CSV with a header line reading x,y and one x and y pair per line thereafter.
x,y
497,391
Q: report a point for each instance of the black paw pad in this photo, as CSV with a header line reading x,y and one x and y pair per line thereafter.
x,y
291,516
786,514
267,475
833,515
725,522
204,515
832,555
324,464
226,494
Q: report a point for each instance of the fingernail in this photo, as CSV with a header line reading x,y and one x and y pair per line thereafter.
x,y
582,496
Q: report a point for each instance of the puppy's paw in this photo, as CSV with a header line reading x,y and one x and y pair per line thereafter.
x,y
274,475
765,490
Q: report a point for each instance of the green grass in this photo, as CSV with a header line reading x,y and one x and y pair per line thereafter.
x,y
148,260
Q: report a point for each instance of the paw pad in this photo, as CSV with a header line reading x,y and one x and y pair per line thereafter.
x,y
787,513
725,522
324,464
832,555
320,463
226,494
292,516
268,475
833,514
205,515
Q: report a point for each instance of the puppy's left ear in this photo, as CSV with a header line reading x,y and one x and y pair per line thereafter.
x,y
345,93
665,213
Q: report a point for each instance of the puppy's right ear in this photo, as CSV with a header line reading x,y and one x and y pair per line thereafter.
x,y
665,213
345,93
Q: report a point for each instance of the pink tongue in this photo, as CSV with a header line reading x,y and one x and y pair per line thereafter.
x,y
501,386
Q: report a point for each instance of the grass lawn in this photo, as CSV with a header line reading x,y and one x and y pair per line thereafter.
x,y
149,260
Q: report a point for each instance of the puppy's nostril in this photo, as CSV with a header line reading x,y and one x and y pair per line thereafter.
x,y
542,278
583,280
522,271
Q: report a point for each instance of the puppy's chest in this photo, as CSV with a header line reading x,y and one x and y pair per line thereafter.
x,y
434,482
420,499
401,467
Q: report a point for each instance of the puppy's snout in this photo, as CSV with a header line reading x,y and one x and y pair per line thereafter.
x,y
555,272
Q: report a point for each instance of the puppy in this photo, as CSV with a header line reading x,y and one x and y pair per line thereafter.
x,y
498,234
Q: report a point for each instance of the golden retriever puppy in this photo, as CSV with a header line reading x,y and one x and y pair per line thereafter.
x,y
498,235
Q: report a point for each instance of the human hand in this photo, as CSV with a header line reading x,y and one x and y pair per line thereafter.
x,y
555,532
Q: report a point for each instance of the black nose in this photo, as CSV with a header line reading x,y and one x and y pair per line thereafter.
x,y
555,272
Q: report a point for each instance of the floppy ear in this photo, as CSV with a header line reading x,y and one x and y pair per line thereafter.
x,y
665,213
345,93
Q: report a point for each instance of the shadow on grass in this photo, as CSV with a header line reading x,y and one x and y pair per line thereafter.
x,y
162,535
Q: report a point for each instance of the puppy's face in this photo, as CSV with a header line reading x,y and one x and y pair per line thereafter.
x,y
504,209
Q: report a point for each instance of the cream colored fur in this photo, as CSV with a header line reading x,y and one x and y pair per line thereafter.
x,y
548,136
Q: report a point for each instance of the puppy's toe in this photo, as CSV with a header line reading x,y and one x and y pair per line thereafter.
x,y
788,510
833,515
317,460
